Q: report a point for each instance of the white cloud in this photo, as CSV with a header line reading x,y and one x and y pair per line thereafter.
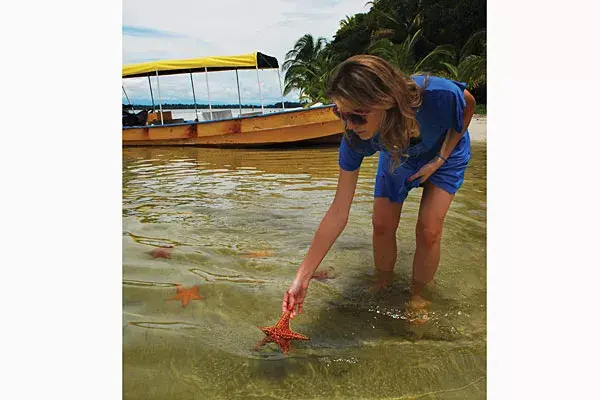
x,y
229,27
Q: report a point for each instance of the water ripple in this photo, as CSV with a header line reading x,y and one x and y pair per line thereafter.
x,y
242,220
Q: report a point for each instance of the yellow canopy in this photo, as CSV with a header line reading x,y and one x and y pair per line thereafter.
x,y
220,63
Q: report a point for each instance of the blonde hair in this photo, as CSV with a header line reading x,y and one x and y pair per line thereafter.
x,y
371,83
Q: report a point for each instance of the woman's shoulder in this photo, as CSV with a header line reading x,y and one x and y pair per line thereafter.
x,y
443,99
432,83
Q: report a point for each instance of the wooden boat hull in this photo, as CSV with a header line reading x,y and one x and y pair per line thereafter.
x,y
294,127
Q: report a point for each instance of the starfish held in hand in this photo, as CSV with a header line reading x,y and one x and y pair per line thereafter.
x,y
280,333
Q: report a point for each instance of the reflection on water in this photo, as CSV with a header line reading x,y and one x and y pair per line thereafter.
x,y
240,222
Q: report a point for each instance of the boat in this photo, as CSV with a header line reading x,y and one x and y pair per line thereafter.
x,y
316,125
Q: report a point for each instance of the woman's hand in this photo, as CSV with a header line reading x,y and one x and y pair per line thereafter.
x,y
294,296
427,170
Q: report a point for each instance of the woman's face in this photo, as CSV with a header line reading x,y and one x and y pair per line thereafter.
x,y
365,123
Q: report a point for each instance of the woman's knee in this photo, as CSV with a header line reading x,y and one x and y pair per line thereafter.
x,y
386,216
383,226
429,234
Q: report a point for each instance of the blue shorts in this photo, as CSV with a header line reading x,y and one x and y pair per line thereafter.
x,y
449,177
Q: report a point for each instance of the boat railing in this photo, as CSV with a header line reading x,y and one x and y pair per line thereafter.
x,y
153,117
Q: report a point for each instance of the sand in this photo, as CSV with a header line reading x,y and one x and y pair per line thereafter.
x,y
478,128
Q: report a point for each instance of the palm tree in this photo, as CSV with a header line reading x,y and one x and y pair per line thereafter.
x,y
403,55
470,67
318,76
350,23
307,67
394,20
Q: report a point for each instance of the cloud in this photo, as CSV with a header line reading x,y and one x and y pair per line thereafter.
x,y
138,49
178,29
308,16
146,32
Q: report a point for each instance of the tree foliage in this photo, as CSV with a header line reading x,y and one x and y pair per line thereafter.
x,y
443,37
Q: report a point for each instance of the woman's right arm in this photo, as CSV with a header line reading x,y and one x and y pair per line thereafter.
x,y
329,230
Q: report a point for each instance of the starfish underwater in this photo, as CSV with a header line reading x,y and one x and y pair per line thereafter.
x,y
280,333
258,254
162,252
323,275
186,295
265,252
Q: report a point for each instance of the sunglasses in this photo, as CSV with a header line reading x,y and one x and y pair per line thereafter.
x,y
354,118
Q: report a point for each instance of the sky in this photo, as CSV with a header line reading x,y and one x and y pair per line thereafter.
x,y
155,30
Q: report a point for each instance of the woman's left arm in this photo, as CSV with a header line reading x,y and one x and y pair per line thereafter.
x,y
450,142
453,137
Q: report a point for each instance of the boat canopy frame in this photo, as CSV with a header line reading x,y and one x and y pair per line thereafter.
x,y
256,60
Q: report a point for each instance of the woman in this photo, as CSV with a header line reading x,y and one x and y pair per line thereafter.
x,y
419,126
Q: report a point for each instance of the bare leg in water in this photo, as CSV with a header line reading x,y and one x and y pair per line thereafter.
x,y
435,203
386,215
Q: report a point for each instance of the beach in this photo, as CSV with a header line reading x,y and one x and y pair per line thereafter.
x,y
478,128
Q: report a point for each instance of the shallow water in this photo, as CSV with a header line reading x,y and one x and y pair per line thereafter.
x,y
240,222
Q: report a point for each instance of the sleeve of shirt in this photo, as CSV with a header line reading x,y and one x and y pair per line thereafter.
x,y
451,104
349,159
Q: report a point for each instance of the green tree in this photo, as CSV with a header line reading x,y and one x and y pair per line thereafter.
x,y
443,37
349,24
452,22
403,55
470,65
393,19
353,37
307,67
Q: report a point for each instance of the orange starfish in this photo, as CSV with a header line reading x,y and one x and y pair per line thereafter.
x,y
186,295
258,254
280,333
162,252
323,275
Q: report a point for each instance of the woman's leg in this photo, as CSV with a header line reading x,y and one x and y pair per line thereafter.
x,y
386,215
435,203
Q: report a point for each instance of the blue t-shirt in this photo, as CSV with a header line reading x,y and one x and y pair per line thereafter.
x,y
441,109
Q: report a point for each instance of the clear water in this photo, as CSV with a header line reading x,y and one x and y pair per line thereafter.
x,y
240,222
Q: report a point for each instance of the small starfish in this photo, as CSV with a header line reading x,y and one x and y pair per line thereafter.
x,y
265,252
280,333
162,252
258,254
186,295
323,275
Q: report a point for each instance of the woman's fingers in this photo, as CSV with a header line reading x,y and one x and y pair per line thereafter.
x,y
286,301
415,176
291,302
